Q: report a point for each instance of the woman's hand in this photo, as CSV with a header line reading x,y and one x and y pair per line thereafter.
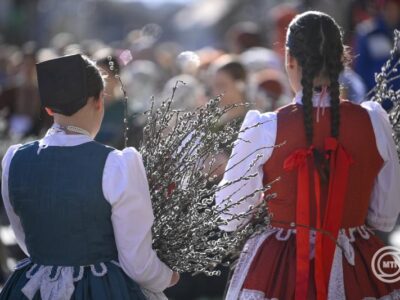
x,y
174,279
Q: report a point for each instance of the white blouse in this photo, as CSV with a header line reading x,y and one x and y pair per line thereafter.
x,y
385,199
125,187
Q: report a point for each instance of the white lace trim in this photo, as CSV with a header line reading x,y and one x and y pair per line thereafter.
x,y
283,234
336,289
253,295
55,283
243,265
336,284
55,289
57,129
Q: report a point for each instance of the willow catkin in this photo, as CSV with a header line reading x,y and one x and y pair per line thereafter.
x,y
179,151
385,93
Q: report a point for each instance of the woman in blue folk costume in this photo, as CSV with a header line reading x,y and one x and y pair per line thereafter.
x,y
80,210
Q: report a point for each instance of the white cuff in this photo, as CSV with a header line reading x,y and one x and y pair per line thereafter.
x,y
381,223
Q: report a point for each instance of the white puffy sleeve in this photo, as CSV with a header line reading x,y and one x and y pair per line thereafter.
x,y
385,199
126,188
251,150
13,218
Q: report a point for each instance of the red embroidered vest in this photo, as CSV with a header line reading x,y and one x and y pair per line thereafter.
x,y
357,137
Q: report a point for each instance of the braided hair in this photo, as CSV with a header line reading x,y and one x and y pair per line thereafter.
x,y
314,39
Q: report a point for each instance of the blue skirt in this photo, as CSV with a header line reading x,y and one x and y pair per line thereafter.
x,y
114,284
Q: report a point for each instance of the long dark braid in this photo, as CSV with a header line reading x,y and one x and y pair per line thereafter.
x,y
315,40
334,61
307,83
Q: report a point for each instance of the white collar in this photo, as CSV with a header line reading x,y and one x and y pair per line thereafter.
x,y
57,137
316,99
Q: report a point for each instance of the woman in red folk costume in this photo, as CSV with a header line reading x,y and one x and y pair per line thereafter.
x,y
339,180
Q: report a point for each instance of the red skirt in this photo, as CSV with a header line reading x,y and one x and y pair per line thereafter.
x,y
272,270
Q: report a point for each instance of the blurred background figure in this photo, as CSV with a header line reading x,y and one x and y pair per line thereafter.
x,y
353,87
374,40
229,78
260,58
271,90
229,47
188,62
189,95
281,16
112,128
243,36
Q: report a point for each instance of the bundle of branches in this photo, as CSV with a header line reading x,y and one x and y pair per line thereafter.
x,y
385,93
180,152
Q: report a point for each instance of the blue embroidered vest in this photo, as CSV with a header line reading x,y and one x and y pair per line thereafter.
x,y
59,199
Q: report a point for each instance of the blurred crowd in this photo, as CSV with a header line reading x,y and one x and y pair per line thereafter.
x,y
246,65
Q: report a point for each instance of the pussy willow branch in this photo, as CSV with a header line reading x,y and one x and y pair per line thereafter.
x,y
176,147
384,92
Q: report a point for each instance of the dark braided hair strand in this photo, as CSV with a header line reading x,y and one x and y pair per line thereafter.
x,y
315,40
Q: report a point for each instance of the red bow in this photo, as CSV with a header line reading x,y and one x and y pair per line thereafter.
x,y
340,162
